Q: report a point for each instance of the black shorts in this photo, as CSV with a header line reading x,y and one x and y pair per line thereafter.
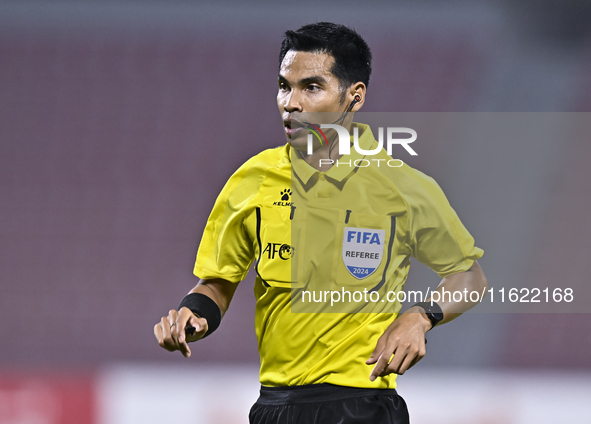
x,y
328,404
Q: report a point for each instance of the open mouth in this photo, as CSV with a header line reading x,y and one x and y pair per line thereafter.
x,y
292,126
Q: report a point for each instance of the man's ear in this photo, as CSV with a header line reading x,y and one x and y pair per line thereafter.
x,y
357,95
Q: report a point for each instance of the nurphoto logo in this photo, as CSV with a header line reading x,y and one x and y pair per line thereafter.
x,y
345,143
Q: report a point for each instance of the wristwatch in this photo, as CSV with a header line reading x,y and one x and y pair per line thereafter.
x,y
432,310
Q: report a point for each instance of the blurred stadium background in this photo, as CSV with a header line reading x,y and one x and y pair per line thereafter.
x,y
116,120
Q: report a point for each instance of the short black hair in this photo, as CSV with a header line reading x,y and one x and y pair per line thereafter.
x,y
352,56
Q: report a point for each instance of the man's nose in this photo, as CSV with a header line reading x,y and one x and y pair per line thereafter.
x,y
293,103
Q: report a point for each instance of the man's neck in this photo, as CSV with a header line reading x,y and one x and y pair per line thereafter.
x,y
325,157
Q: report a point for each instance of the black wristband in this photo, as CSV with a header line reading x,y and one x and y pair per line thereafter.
x,y
203,306
432,310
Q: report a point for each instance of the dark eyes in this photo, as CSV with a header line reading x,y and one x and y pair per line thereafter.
x,y
312,87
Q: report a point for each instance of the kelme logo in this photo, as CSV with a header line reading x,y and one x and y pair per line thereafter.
x,y
285,197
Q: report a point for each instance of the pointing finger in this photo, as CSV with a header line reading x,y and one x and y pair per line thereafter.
x,y
381,364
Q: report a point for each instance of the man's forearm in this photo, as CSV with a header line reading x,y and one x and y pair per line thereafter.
x,y
218,290
463,282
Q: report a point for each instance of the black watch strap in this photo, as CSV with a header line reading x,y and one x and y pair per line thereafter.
x,y
432,310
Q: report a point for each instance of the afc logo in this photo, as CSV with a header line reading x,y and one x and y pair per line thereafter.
x,y
284,251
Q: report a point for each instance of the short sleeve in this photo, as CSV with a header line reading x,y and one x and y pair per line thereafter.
x,y
226,250
438,237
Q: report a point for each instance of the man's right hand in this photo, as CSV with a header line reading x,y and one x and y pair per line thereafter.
x,y
170,331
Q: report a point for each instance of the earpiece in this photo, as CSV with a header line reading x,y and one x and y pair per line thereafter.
x,y
356,99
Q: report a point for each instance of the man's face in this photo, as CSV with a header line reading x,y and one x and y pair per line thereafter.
x,y
306,84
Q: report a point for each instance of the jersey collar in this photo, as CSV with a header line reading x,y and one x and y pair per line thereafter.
x,y
305,172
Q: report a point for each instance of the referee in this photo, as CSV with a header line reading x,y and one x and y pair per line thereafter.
x,y
341,227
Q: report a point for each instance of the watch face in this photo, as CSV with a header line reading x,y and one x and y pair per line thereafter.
x,y
433,312
435,317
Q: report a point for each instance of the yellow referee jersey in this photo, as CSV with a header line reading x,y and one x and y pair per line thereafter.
x,y
313,236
